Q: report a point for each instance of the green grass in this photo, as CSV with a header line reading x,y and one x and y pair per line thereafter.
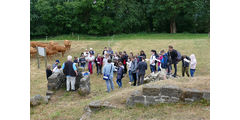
x,y
128,36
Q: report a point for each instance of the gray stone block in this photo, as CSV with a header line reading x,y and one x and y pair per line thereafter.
x,y
151,90
193,94
171,91
84,86
206,95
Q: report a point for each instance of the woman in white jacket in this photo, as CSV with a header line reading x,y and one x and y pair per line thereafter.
x,y
193,64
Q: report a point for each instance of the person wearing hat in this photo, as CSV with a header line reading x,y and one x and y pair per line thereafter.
x,y
55,64
91,51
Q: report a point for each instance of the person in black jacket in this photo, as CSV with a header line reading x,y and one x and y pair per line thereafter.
x,y
141,68
172,57
185,65
48,71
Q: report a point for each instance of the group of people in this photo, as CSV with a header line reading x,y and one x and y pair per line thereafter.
x,y
121,63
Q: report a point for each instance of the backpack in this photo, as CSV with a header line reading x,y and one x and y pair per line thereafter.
x,y
164,61
179,56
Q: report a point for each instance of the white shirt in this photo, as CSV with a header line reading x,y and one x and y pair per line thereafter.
x,y
91,58
129,65
105,61
152,60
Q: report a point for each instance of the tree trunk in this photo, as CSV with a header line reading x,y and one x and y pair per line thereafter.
x,y
173,28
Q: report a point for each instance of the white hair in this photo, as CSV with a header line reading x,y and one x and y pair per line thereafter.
x,y
69,57
90,48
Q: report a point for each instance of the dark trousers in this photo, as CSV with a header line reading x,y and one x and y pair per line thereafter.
x,y
185,70
175,69
134,78
99,69
140,79
125,68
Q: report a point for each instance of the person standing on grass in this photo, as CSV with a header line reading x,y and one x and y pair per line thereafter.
x,y
164,63
55,64
104,51
134,70
108,70
129,62
120,74
159,61
142,54
185,65
105,59
99,63
48,71
125,59
172,56
90,60
76,60
141,68
70,70
82,61
152,61
193,64
110,52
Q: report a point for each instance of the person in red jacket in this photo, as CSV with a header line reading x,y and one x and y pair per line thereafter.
x,y
99,61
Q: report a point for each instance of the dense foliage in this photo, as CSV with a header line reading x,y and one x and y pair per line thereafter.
x,y
107,17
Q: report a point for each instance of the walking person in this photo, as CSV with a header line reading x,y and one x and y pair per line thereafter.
x,y
141,68
134,70
108,71
193,64
185,65
120,74
70,70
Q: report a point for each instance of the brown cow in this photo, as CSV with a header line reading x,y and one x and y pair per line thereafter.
x,y
67,44
59,48
33,43
33,51
41,44
53,43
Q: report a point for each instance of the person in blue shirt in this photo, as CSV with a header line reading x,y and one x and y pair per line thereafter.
x,y
108,70
70,70
55,64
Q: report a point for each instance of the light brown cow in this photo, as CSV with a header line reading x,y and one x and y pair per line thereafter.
x,y
67,44
53,43
33,51
59,48
33,43
41,44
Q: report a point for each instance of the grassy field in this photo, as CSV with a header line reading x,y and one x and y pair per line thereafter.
x,y
70,105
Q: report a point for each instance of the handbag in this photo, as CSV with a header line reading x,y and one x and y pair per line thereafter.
x,y
106,76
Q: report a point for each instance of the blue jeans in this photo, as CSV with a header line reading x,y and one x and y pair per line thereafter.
x,y
152,68
130,75
192,71
119,82
159,68
109,83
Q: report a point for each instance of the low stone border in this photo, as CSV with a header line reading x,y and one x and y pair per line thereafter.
x,y
154,94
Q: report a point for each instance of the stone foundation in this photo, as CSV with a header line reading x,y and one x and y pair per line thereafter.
x,y
154,94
